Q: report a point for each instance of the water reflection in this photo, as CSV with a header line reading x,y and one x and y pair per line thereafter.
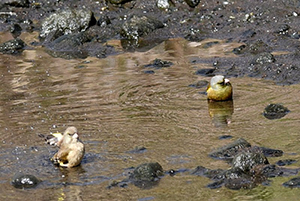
x,y
220,112
117,107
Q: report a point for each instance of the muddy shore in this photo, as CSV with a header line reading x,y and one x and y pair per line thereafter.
x,y
268,30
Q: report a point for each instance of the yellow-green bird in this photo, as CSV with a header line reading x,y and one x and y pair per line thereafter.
x,y
71,149
219,89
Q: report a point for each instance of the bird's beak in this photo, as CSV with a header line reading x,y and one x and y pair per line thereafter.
x,y
75,136
226,81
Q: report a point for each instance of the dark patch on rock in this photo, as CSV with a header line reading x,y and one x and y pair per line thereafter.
x,y
275,111
21,180
12,46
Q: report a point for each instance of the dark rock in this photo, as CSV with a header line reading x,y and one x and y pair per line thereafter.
x,y
271,152
68,46
16,30
283,29
103,21
205,72
230,150
136,27
146,175
138,150
225,137
258,47
239,50
67,22
147,172
118,1
158,63
293,183
12,46
21,180
285,162
275,111
16,3
192,3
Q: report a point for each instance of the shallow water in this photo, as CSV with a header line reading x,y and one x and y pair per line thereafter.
x,y
117,107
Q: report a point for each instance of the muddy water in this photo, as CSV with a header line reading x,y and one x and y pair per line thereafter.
x,y
117,106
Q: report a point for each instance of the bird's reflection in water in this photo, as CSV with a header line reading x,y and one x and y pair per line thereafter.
x,y
71,184
220,112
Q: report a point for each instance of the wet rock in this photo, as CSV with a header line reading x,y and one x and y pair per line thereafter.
x,y
293,183
283,29
147,172
259,47
16,30
192,3
203,171
68,46
136,27
275,111
21,180
239,50
138,150
225,137
230,150
67,22
270,152
265,58
163,4
205,72
285,162
118,1
246,160
16,3
12,46
158,64
103,21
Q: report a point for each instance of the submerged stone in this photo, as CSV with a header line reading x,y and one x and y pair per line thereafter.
x,y
21,180
275,111
293,183
158,63
230,150
147,172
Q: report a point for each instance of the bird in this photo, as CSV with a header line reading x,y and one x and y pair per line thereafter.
x,y
71,149
219,89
